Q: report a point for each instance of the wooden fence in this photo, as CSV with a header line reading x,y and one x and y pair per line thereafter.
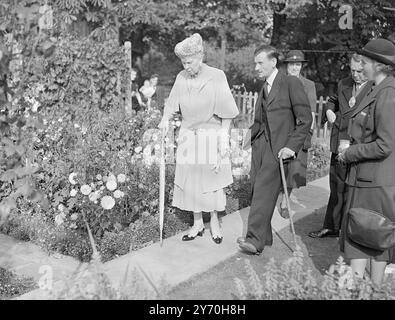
x,y
246,102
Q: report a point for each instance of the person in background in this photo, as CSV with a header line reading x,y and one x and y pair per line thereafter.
x,y
350,92
137,101
202,94
296,176
371,157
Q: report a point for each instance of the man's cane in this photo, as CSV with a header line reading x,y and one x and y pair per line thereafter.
x,y
162,186
287,200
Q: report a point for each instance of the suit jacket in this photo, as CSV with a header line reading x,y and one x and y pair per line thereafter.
x,y
339,105
373,158
288,114
309,88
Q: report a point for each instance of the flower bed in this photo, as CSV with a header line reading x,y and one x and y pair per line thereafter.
x,y
12,285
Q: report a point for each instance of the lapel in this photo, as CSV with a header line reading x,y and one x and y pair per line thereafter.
x,y
367,100
275,88
366,89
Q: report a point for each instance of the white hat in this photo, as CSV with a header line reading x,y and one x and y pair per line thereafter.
x,y
189,46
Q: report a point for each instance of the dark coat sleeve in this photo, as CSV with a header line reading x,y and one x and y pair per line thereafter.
x,y
384,122
302,112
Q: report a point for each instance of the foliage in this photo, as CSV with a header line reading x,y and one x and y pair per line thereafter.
x,y
293,281
318,160
370,19
24,43
12,285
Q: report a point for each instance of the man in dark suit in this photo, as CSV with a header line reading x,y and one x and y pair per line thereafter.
x,y
282,122
337,111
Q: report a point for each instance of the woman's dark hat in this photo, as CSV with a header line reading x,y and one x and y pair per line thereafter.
x,y
381,50
295,56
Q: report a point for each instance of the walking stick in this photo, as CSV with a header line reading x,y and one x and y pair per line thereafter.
x,y
162,167
287,200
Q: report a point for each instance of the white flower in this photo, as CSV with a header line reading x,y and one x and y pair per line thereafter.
x,y
111,184
86,189
74,217
118,194
98,177
112,177
107,202
93,185
121,178
35,106
59,219
138,149
73,226
61,207
73,193
178,123
76,125
157,147
60,120
72,177
94,196
102,188
84,130
105,179
100,183
154,137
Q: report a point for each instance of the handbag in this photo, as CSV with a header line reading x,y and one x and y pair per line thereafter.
x,y
370,229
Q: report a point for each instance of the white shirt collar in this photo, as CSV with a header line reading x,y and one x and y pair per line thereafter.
x,y
270,79
358,86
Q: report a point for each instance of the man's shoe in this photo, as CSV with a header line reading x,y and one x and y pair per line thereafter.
x,y
249,248
324,233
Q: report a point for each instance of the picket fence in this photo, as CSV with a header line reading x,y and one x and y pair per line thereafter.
x,y
246,101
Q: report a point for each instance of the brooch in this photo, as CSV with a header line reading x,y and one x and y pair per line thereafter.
x,y
352,101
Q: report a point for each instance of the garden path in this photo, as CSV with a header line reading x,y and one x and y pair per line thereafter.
x,y
177,261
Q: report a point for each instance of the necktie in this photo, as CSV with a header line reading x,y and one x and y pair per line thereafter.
x,y
265,90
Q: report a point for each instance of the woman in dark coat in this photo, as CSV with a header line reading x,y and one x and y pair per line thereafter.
x,y
371,156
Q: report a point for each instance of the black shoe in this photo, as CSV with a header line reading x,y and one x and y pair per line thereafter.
x,y
324,233
249,248
217,239
187,237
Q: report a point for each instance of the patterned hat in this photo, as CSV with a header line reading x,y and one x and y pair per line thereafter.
x,y
295,56
190,46
381,50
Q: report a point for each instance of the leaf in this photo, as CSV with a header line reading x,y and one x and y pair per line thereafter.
x,y
8,176
5,208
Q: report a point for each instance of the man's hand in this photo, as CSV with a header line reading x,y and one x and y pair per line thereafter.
x,y
340,157
331,116
286,153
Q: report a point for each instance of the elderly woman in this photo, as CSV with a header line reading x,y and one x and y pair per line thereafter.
x,y
371,156
202,94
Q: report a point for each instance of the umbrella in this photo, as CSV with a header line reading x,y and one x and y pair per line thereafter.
x,y
162,186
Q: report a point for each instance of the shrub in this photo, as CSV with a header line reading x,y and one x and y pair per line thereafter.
x,y
12,285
